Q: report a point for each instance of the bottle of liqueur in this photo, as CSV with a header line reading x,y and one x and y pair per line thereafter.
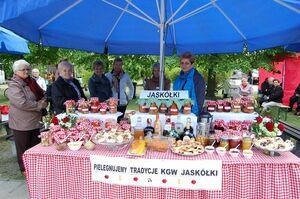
x,y
157,126
188,130
149,130
167,127
173,132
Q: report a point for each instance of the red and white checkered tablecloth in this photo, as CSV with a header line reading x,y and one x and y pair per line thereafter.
x,y
67,174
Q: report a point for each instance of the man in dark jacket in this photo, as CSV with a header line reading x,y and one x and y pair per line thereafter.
x,y
65,88
275,98
153,83
266,89
295,98
99,85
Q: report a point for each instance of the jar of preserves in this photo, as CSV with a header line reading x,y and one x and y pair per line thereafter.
x,y
224,142
246,144
234,141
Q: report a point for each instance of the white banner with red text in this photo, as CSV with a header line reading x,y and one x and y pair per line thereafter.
x,y
180,174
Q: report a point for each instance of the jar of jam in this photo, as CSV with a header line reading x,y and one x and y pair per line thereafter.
x,y
224,142
234,141
247,142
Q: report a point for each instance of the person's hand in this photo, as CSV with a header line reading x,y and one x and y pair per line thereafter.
x,y
297,95
44,103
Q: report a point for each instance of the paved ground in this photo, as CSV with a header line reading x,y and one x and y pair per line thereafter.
x,y
13,189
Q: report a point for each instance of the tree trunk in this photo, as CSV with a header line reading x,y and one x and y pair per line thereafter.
x,y
211,84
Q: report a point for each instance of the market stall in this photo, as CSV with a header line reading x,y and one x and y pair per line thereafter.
x,y
68,174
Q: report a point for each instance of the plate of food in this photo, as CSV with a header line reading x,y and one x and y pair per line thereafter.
x,y
113,139
187,147
275,144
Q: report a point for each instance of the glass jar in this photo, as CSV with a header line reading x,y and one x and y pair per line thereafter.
x,y
247,142
224,142
234,141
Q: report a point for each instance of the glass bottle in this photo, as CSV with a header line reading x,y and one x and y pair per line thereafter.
x,y
149,130
179,126
157,126
188,130
167,127
138,129
173,132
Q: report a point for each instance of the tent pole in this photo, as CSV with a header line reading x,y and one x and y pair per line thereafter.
x,y
162,45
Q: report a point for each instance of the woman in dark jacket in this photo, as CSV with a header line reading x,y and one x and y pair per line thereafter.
x,y
99,85
295,98
65,88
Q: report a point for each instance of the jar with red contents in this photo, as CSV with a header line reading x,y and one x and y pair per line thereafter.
x,y
94,102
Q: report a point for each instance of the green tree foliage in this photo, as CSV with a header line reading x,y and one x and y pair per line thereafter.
x,y
216,68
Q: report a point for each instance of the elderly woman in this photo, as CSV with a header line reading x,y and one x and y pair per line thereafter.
x,y
275,98
65,87
191,80
153,83
245,89
26,103
99,85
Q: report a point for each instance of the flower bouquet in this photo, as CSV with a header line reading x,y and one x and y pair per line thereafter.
x,y
64,120
265,127
112,105
70,106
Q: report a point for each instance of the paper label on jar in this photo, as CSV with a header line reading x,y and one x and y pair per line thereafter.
x,y
112,107
227,108
220,107
85,109
187,108
236,106
163,108
153,108
102,110
211,108
250,107
144,107
94,107
173,110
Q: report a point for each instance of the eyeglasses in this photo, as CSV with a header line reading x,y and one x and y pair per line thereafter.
x,y
185,63
24,69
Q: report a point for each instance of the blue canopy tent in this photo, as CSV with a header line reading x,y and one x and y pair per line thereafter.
x,y
11,43
293,47
155,27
